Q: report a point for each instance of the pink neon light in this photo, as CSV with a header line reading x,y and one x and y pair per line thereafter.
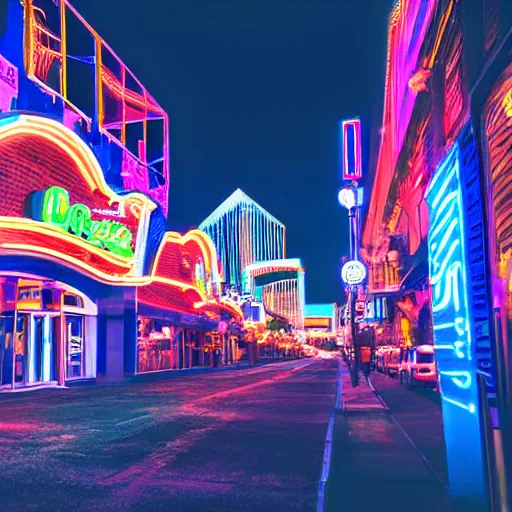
x,y
357,172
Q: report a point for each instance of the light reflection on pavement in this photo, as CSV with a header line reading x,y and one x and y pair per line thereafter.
x,y
229,440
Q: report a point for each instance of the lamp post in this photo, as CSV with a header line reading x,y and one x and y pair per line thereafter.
x,y
353,272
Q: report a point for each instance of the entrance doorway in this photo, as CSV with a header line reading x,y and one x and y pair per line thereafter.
x,y
75,346
35,348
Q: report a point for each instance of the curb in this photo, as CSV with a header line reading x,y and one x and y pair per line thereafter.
x,y
326,462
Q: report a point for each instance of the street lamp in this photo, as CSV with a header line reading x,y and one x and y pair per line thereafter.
x,y
353,272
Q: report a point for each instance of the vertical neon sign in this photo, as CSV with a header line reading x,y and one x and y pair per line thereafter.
x,y
350,135
452,329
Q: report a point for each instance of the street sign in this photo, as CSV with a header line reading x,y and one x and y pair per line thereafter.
x,y
353,272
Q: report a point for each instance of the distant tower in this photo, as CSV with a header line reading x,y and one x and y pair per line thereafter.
x,y
243,233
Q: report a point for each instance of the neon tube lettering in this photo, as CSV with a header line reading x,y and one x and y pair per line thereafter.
x,y
77,219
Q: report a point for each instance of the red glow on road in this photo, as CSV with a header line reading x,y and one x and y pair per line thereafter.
x,y
18,427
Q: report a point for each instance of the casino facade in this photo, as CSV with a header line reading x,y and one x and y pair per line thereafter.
x,y
92,285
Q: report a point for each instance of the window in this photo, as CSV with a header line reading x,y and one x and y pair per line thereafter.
x,y
70,299
424,358
29,294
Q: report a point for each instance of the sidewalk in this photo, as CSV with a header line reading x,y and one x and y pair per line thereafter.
x,y
360,399
373,465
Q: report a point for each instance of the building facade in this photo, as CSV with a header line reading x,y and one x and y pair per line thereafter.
x,y
91,283
244,233
435,237
280,286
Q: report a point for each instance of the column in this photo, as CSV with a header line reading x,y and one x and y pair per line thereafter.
x,y
117,333
61,341
201,348
189,341
183,349
224,348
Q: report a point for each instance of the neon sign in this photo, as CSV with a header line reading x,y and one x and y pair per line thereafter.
x,y
351,167
447,266
353,272
55,208
456,354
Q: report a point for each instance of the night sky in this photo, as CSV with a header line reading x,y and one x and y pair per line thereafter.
x,y
254,92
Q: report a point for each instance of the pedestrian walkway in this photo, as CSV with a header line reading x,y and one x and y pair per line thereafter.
x,y
374,467
360,398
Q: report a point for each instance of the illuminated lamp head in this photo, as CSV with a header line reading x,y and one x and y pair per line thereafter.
x,y
347,197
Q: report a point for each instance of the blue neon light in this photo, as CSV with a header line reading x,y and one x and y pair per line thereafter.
x,y
456,354
447,266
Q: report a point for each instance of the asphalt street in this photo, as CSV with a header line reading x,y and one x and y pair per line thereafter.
x,y
237,440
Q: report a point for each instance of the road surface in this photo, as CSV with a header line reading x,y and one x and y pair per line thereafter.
x,y
237,440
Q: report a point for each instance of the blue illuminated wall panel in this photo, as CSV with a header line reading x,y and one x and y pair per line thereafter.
x,y
452,315
479,285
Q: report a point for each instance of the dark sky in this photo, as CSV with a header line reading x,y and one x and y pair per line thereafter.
x,y
254,91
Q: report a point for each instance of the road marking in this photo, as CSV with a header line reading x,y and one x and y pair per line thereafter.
x,y
133,420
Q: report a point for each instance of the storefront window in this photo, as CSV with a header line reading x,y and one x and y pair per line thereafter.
x,y
157,347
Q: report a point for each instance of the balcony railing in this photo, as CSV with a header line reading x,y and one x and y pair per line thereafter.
x,y
67,58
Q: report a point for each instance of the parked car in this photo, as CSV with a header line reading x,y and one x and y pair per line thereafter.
x,y
418,366
379,358
392,362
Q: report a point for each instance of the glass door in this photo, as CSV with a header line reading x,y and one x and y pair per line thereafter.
x,y
75,346
6,346
20,347
41,348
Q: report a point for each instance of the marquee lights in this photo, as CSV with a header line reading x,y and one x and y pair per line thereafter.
x,y
260,268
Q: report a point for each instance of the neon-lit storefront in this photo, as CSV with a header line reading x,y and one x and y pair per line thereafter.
x,y
91,284
48,330
446,112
